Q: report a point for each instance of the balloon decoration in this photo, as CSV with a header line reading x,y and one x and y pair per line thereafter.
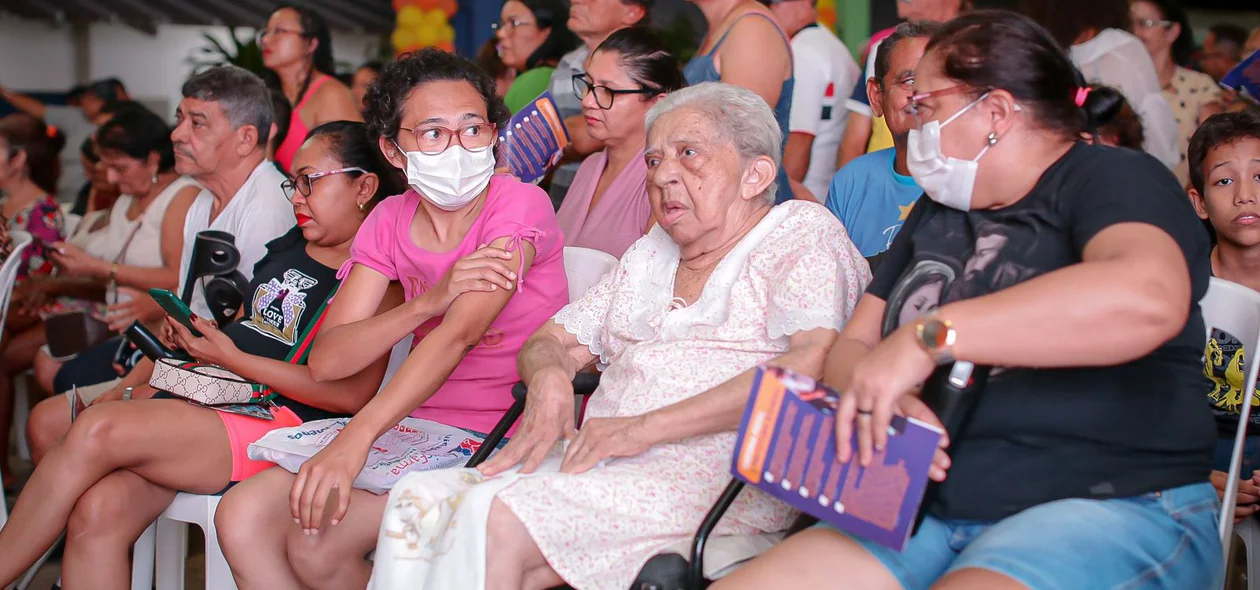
x,y
423,23
827,13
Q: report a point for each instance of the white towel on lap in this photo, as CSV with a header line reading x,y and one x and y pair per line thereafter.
x,y
433,534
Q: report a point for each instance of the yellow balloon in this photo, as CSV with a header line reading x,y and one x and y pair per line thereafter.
x,y
448,33
435,18
426,36
410,17
402,39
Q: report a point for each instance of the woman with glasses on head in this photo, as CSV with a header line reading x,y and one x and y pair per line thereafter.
x,y
480,259
297,48
533,35
120,464
607,206
1164,29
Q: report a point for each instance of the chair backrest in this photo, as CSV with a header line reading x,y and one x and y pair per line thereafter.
x,y
9,272
1235,309
70,224
396,358
585,267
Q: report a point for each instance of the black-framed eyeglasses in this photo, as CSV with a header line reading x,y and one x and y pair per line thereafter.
x,y
512,23
604,95
302,182
434,139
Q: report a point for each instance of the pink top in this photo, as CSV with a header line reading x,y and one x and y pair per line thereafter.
x,y
297,129
479,390
619,217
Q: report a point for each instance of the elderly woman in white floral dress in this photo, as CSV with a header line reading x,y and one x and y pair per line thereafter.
x,y
724,283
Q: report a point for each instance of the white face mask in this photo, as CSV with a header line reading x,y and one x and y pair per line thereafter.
x,y
946,180
452,179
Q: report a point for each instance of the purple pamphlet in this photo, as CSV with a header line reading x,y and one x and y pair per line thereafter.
x,y
533,140
1245,78
787,448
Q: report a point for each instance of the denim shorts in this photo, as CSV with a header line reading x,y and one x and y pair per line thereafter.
x,y
1163,540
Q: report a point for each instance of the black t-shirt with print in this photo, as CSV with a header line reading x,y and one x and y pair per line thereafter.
x,y
1040,435
1223,373
288,289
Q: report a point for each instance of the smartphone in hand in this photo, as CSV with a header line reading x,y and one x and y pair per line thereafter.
x,y
175,308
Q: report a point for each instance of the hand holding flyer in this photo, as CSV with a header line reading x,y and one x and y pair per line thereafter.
x,y
533,140
1245,78
787,448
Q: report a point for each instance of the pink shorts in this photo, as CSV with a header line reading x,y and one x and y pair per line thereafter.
x,y
243,431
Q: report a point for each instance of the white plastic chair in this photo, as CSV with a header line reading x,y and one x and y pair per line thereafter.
x,y
170,533
1235,309
8,278
585,267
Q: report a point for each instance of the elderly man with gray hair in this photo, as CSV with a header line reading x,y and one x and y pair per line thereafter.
x,y
725,282
224,121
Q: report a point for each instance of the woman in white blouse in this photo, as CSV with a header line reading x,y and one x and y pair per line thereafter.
x,y
1096,33
140,246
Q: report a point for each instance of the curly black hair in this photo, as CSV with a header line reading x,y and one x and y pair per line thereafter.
x,y
383,104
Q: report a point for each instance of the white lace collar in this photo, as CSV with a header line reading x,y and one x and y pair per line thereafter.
x,y
651,267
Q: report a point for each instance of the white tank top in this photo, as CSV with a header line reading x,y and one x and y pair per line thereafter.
x,y
145,249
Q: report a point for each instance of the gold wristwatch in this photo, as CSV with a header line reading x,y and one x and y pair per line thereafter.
x,y
937,336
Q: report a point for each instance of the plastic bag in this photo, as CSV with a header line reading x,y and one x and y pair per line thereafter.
x,y
411,445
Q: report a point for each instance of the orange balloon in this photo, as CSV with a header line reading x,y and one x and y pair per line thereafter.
x,y
426,5
450,7
399,4
446,46
827,16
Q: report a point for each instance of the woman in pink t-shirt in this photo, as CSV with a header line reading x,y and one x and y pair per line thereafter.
x,y
480,259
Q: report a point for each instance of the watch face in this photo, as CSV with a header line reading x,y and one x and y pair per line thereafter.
x,y
934,334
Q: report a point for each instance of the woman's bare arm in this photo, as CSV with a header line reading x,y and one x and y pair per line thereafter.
x,y
752,54
436,355
347,395
353,335
1130,295
172,246
859,336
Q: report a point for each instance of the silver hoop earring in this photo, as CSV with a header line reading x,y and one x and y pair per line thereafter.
x,y
993,138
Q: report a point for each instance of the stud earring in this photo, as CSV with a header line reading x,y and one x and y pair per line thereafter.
x,y
993,138
154,179
362,207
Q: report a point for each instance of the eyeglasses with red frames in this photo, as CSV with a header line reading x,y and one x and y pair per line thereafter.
x,y
922,112
434,139
302,182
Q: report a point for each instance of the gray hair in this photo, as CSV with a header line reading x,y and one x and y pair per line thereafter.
x,y
739,115
241,94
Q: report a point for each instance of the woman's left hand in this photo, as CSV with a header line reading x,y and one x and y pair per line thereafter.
x,y
74,261
895,367
334,468
605,438
137,307
213,347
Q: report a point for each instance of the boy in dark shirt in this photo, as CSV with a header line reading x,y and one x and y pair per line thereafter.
x,y
1224,158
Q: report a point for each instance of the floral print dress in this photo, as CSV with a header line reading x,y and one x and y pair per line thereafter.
x,y
44,221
